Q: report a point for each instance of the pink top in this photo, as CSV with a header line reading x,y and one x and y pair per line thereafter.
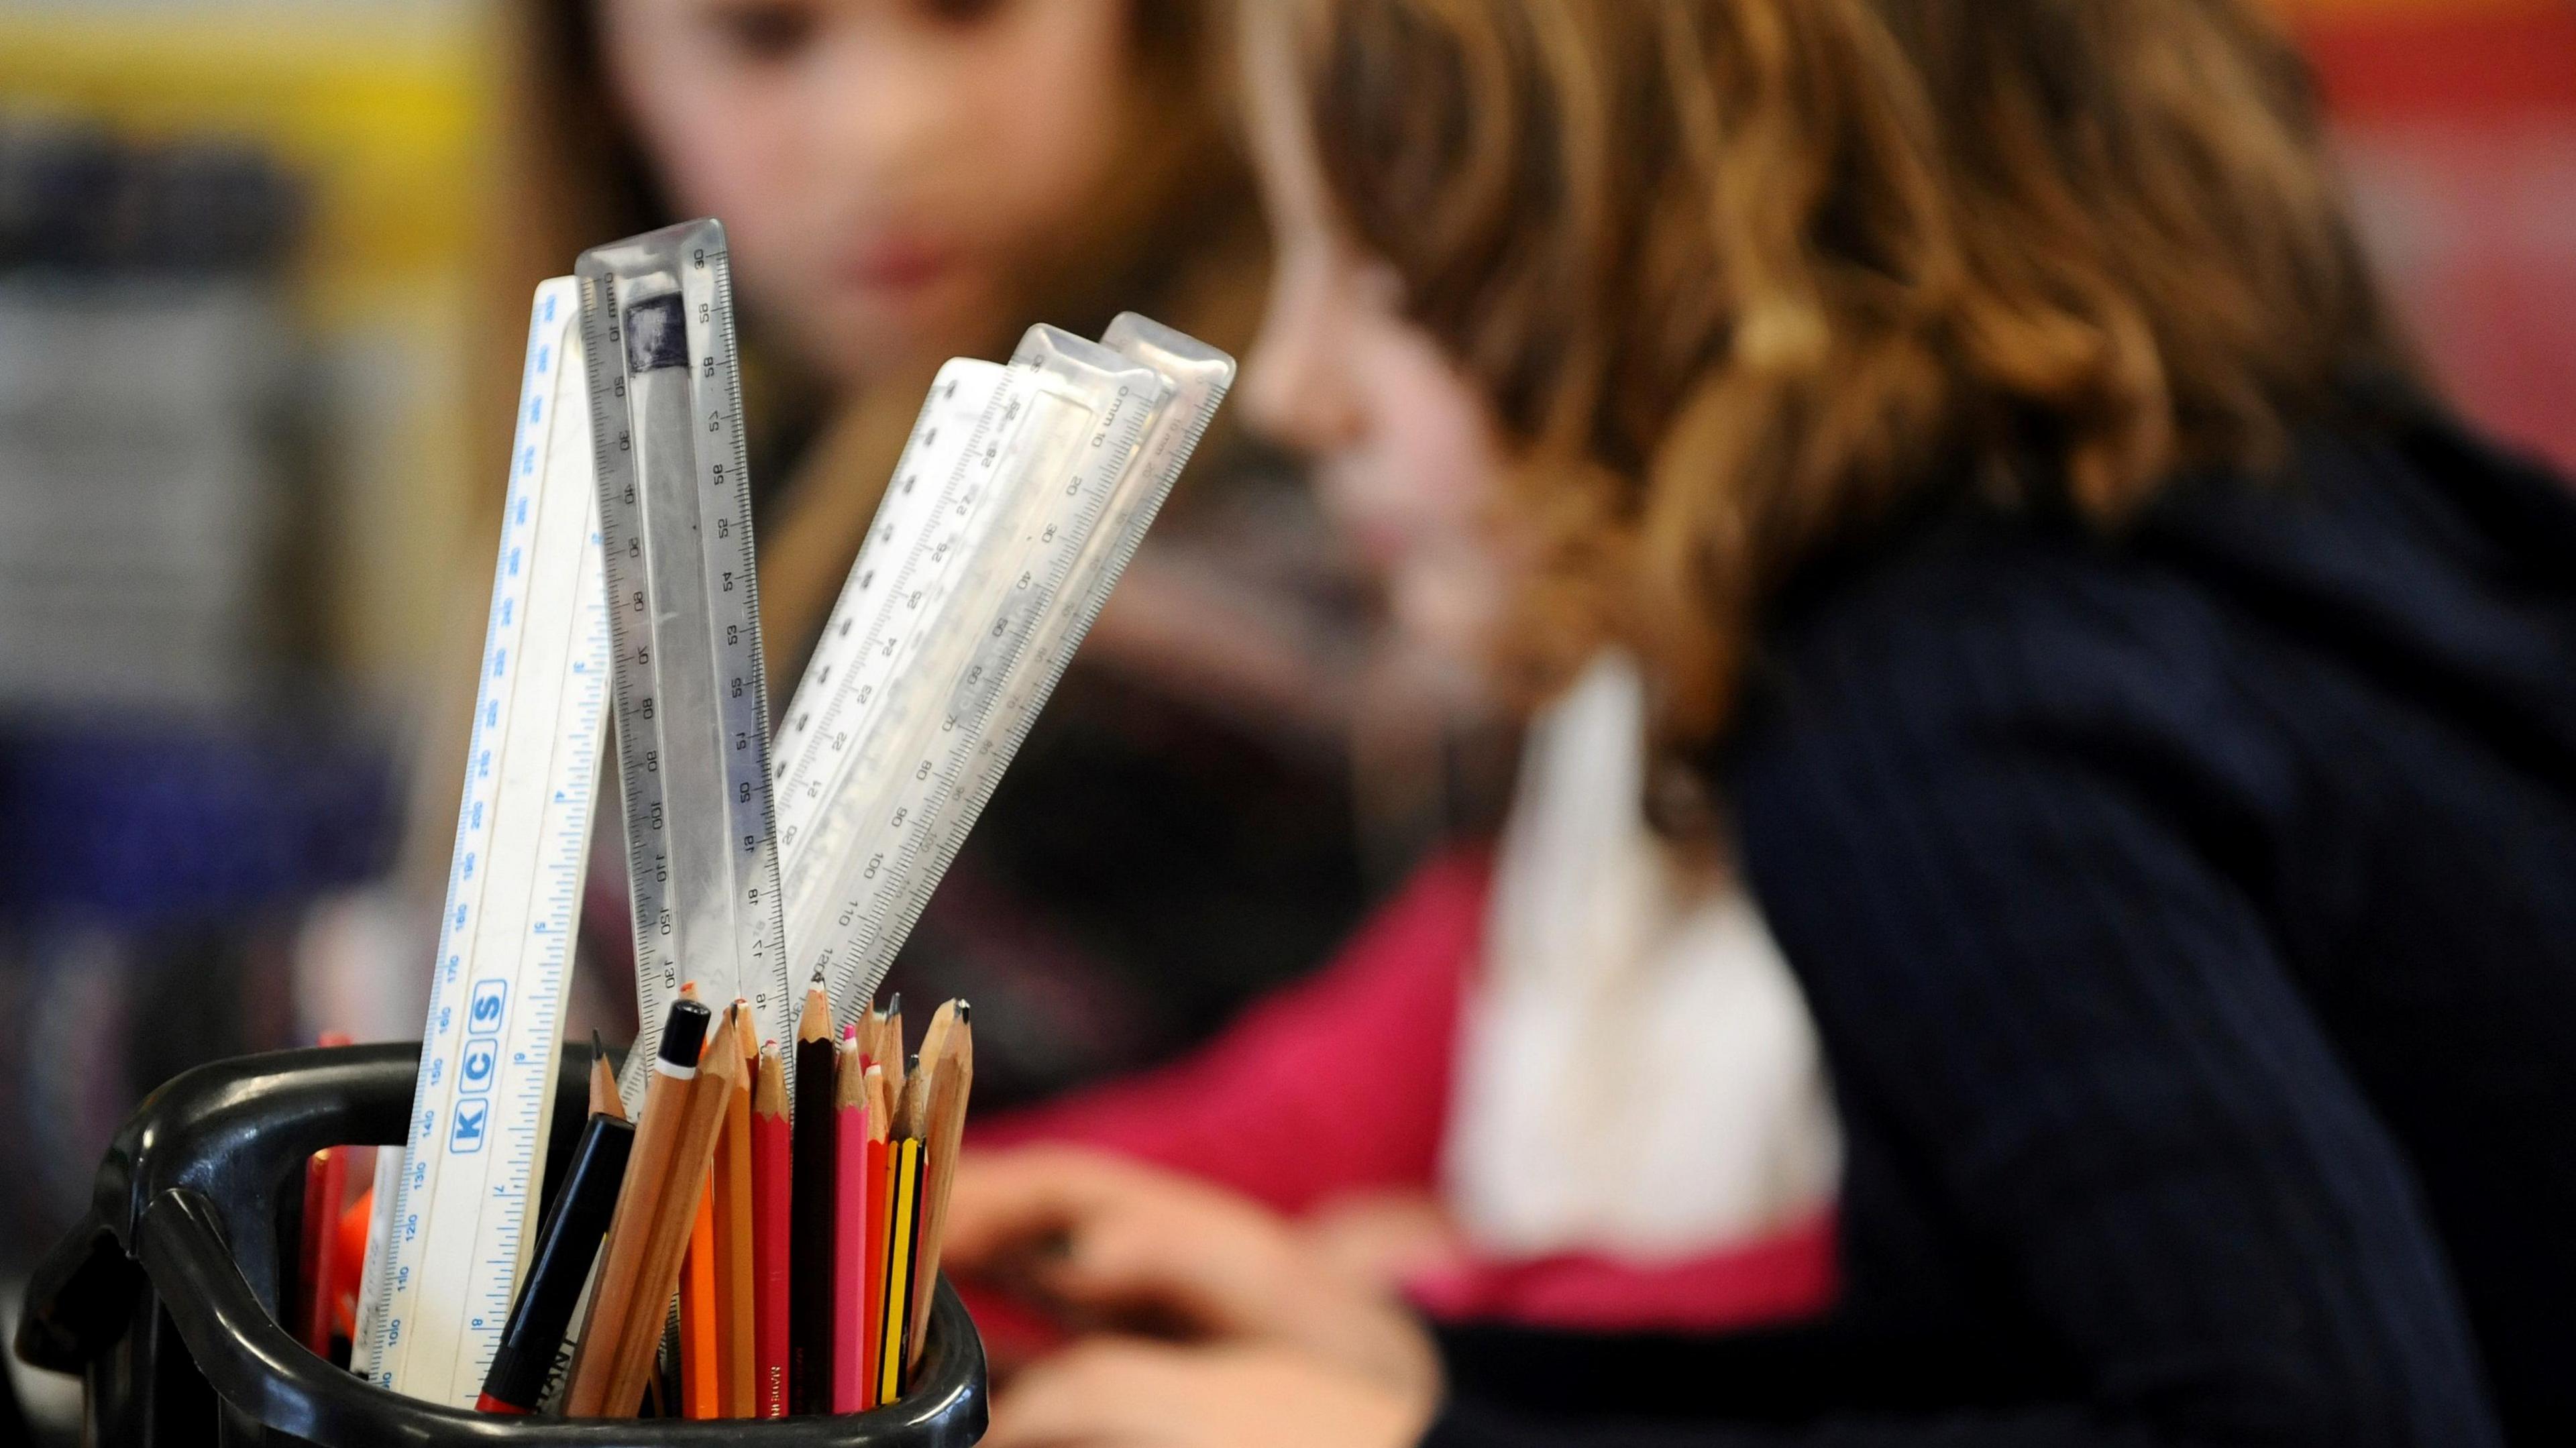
x,y
1341,1084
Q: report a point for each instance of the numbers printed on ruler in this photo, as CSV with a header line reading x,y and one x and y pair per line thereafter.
x,y
963,681
924,636
941,477
691,698
461,1228
875,811
1200,376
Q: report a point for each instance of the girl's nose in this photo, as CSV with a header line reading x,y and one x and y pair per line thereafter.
x,y
1296,387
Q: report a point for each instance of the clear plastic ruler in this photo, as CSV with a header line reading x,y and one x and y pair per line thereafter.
x,y
1200,376
880,806
1030,427
845,861
940,493
460,1229
683,603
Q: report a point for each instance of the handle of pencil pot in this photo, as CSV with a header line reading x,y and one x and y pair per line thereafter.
x,y
235,1131
258,1369
188,1194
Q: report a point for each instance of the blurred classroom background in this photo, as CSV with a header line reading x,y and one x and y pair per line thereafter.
x,y
241,277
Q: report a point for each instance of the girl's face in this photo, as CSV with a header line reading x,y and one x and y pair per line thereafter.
x,y
1406,452
885,167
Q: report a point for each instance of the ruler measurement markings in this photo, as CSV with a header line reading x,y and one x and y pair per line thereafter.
x,y
858,936
1201,376
488,1059
884,673
900,714
429,1092
953,422
985,676
693,728
922,573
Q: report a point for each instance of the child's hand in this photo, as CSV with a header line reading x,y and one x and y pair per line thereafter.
x,y
1107,1243
1121,1393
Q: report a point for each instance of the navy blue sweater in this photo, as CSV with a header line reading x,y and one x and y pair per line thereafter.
x,y
2190,919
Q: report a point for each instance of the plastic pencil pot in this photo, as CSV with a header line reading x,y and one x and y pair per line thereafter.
x,y
165,1298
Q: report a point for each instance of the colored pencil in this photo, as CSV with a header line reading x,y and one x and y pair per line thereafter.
x,y
701,1357
850,1374
326,1182
809,1252
660,1125
903,1162
735,1271
658,1275
880,1120
771,1210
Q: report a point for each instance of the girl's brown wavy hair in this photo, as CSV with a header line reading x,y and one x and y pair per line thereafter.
x,y
1738,275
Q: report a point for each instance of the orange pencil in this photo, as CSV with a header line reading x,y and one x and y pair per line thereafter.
x,y
772,1177
735,1271
701,1361
880,1098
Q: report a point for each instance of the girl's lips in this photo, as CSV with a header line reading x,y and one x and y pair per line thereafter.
x,y
898,264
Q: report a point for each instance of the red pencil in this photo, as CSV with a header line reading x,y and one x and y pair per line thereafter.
x,y
326,1181
772,1182
850,1300
880,1098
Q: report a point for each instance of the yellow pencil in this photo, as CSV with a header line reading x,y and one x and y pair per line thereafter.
x,y
904,1189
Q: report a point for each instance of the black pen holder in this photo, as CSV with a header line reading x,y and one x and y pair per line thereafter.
x,y
164,1299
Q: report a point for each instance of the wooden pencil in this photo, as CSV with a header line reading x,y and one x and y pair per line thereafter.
x,y
903,1167
736,1273
658,1275
604,1100
850,1304
934,1036
943,1131
772,1207
701,1356
880,1203
890,1045
809,1253
662,1122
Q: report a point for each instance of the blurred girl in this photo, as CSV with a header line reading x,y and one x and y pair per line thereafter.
x,y
908,180
2042,903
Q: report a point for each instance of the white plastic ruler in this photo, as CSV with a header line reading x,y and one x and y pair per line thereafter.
x,y
691,699
460,1230
959,617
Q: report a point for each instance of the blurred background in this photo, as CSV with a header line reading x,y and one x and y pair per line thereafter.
x,y
249,257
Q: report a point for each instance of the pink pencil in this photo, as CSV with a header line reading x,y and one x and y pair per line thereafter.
x,y
850,1375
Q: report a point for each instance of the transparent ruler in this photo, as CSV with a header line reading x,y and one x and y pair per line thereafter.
x,y
461,1226
683,603
1019,497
